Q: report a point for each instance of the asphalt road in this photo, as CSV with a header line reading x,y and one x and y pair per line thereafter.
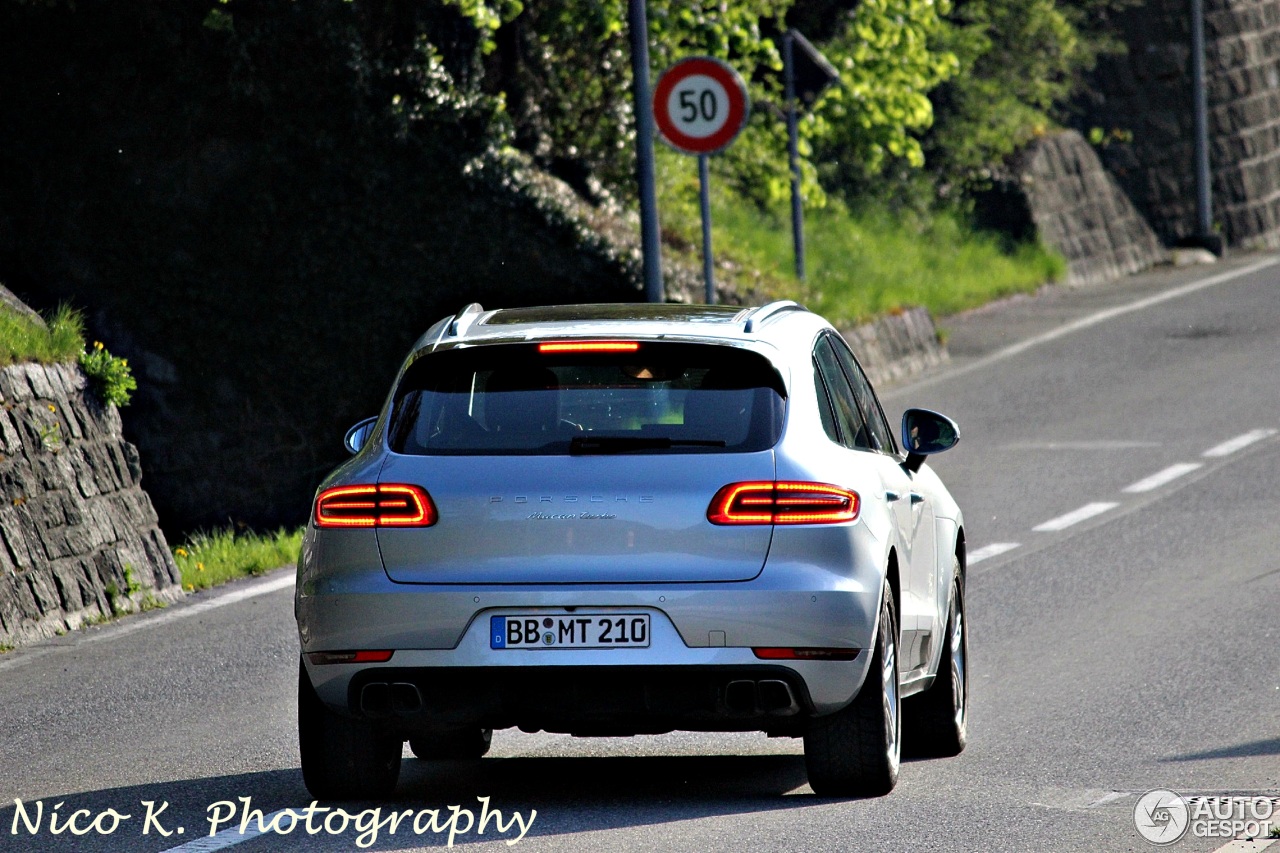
x,y
1130,643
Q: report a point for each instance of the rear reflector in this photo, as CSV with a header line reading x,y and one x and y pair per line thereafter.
x,y
806,654
364,656
384,505
588,346
782,502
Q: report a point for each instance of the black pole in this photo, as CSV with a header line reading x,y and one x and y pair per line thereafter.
x,y
793,151
1204,206
650,247
704,200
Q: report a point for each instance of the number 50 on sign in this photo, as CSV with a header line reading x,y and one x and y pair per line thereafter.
x,y
700,105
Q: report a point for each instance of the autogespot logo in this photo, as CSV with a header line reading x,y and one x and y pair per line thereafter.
x,y
1161,817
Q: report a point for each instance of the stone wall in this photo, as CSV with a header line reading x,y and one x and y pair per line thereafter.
x,y
78,535
1062,192
897,347
1148,93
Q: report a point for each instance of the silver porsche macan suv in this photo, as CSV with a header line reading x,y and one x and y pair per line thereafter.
x,y
626,519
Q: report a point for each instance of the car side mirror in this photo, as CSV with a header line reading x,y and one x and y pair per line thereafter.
x,y
358,435
925,433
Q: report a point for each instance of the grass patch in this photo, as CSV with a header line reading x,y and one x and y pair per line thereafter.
x,y
111,376
863,265
859,264
23,339
61,339
209,559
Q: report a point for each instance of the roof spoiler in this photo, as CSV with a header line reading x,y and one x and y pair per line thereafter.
x,y
764,312
464,318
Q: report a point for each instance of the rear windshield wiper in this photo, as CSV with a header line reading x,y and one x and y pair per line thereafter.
x,y
583,444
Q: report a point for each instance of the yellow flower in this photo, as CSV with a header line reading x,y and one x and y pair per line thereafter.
x,y
52,407
181,552
97,345
199,567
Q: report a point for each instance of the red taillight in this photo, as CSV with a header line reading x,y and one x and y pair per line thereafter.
x,y
384,505
588,346
806,654
782,502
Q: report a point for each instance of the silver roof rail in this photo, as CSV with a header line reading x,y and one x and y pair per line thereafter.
x,y
764,312
464,318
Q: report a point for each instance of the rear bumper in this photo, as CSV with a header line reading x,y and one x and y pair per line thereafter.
x,y
582,700
621,691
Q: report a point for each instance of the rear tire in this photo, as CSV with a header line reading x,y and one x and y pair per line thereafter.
x,y
463,744
938,719
342,758
856,751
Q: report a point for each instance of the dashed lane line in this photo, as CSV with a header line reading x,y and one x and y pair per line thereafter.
x,y
227,837
1162,478
1240,442
995,549
1147,484
1074,517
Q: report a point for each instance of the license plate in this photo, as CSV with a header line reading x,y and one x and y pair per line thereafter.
x,y
570,631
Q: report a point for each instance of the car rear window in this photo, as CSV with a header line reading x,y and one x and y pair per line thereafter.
x,y
514,399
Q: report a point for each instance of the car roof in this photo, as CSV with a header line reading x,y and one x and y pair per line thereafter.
x,y
647,321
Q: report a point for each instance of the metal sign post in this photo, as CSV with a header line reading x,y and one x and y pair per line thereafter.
x,y
1204,234
793,149
806,75
700,106
704,204
650,245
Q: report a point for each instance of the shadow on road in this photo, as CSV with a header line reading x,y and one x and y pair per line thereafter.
x,y
1253,749
571,795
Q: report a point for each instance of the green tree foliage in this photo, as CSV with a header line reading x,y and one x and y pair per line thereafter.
x,y
890,54
1021,63
956,86
562,68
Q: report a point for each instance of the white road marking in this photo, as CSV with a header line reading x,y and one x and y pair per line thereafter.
x,y
1109,798
1086,322
1161,478
986,552
1084,513
272,585
1081,445
1240,442
121,629
226,838
1246,846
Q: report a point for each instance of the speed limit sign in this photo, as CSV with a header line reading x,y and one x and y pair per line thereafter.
x,y
700,105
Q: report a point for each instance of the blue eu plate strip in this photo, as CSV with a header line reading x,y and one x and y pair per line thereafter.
x,y
497,632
